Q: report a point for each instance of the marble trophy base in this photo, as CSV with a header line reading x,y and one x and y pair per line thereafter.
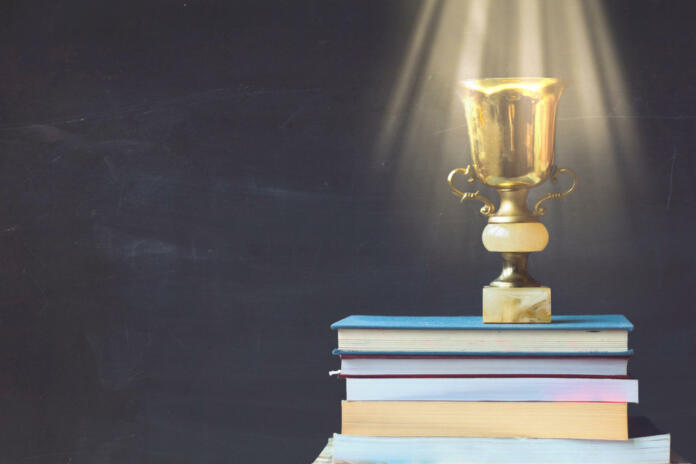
x,y
516,304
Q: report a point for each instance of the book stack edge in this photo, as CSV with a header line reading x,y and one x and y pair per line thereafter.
x,y
436,390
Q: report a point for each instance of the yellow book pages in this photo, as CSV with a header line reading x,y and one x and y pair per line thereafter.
x,y
599,421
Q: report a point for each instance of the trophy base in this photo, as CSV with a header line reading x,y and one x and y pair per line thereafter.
x,y
519,305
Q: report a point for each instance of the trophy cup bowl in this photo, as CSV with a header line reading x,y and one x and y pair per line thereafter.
x,y
511,123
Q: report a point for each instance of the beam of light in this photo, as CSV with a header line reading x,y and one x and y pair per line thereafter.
x,y
531,45
471,51
424,133
470,61
588,99
405,81
599,139
614,89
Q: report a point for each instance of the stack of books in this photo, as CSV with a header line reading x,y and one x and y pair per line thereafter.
x,y
454,390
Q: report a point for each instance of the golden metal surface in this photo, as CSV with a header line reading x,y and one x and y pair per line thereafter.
x,y
512,123
514,273
513,207
488,208
540,210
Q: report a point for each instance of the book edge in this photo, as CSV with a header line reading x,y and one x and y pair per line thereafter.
x,y
346,323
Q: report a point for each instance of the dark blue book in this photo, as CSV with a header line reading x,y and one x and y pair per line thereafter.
x,y
598,334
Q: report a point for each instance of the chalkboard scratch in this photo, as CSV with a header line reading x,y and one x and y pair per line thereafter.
x,y
150,247
47,455
177,339
193,98
293,115
112,171
671,178
678,117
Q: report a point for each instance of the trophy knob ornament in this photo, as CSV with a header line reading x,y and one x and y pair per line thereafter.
x,y
488,208
511,124
540,210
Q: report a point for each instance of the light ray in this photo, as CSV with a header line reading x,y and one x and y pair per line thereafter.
x,y
531,47
424,133
406,77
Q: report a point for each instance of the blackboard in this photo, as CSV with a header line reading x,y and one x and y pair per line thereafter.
x,y
192,191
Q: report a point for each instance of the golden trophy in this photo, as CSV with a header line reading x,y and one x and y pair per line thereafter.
x,y
511,125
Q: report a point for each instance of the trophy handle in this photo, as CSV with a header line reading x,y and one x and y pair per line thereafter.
x,y
540,210
488,208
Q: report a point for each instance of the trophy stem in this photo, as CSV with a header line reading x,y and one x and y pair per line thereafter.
x,y
513,207
514,273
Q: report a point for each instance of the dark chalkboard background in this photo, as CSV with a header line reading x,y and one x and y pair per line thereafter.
x,y
189,198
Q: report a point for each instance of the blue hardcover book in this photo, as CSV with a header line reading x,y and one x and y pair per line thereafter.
x,y
561,322
599,334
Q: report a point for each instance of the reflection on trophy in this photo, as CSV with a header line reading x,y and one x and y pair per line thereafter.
x,y
511,129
